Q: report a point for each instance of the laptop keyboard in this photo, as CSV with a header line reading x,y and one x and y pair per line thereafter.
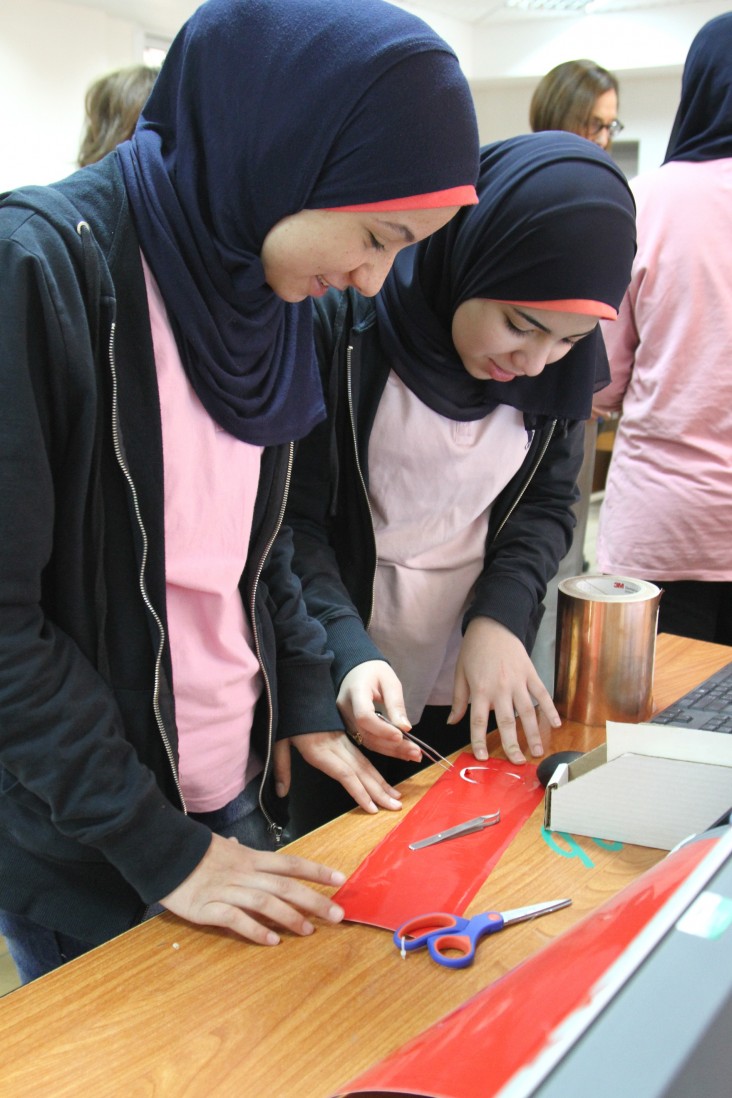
x,y
708,705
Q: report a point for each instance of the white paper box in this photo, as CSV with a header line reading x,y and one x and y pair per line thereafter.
x,y
652,785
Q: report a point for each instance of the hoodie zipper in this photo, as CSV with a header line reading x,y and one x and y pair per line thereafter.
x,y
352,417
528,480
121,461
273,827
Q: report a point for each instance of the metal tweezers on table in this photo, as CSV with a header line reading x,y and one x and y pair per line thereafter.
x,y
467,828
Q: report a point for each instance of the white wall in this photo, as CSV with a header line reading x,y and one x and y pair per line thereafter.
x,y
646,39
51,50
49,53
647,107
645,49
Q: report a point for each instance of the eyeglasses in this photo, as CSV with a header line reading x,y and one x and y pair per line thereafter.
x,y
613,128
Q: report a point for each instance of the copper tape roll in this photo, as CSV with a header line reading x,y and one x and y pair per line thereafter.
x,y
606,646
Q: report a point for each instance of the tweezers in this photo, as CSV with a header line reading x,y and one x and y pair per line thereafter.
x,y
431,752
467,828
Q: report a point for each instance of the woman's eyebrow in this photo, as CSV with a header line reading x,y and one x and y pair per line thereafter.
x,y
532,320
401,230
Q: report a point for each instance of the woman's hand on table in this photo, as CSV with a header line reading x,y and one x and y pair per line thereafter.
x,y
494,671
246,890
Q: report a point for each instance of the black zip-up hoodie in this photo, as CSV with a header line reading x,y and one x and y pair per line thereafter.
x,y
531,521
92,822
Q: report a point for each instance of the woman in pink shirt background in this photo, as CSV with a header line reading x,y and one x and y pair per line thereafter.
x,y
667,511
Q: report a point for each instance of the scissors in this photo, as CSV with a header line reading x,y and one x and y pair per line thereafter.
x,y
441,932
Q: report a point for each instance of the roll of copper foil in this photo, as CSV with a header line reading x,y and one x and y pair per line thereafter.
x,y
606,646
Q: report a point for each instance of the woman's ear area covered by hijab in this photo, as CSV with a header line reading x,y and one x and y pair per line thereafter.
x,y
263,109
502,341
348,102
555,222
309,252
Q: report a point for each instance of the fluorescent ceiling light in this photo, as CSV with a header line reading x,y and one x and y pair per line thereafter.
x,y
548,5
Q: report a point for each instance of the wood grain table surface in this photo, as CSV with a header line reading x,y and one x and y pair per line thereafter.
x,y
173,1010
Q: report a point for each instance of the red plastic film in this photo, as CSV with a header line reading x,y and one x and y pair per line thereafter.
x,y
478,1049
393,883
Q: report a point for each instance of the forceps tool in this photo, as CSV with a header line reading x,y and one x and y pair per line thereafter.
x,y
441,932
466,828
430,752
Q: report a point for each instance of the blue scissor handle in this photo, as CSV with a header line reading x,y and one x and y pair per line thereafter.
x,y
442,932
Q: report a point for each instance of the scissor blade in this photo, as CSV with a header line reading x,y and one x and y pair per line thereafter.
x,y
519,914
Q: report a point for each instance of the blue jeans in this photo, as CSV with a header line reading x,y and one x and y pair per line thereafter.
x,y
37,950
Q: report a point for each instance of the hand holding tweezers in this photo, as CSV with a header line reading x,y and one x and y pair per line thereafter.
x,y
467,828
431,752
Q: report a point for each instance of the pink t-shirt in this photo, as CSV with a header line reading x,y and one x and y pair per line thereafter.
x,y
210,487
667,512
432,482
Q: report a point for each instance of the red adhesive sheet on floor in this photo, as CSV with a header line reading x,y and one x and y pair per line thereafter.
x,y
393,883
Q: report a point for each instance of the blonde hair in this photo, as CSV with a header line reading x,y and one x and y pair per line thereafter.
x,y
113,104
564,99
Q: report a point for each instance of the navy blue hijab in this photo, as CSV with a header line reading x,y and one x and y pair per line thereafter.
x,y
264,108
702,129
555,222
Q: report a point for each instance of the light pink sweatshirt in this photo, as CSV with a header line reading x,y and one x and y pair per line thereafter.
x,y
667,512
210,485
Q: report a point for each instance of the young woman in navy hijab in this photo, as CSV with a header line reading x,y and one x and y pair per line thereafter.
x,y
431,509
158,366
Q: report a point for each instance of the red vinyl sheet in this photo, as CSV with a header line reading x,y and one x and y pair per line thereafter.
x,y
487,1043
393,883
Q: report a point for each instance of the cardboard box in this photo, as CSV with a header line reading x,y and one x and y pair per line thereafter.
x,y
652,785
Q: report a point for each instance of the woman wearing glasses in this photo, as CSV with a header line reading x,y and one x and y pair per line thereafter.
x,y
578,96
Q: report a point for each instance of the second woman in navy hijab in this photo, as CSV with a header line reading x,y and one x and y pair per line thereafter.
x,y
435,504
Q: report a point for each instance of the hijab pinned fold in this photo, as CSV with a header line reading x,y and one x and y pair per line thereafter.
x,y
555,223
263,109
702,129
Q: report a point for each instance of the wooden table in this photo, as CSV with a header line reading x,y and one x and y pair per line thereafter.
x,y
174,1010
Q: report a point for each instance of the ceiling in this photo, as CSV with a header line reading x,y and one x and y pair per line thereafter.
x,y
166,16
492,11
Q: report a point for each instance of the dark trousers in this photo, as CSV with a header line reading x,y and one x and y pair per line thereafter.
x,y
37,949
691,608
